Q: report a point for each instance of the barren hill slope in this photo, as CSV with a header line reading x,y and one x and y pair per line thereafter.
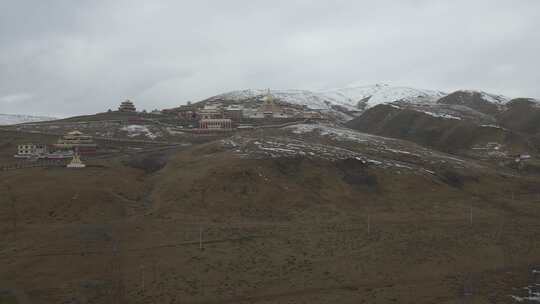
x,y
459,123
308,213
443,133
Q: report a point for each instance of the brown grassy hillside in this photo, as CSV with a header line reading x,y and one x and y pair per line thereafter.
x,y
450,135
523,115
474,100
220,226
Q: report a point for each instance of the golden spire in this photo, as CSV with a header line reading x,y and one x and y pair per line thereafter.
x,y
269,96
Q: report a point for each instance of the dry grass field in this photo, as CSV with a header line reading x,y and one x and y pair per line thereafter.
x,y
214,226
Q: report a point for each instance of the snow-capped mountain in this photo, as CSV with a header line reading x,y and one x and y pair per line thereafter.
x,y
13,119
369,96
301,97
353,98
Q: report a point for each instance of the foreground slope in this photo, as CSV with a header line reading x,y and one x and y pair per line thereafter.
x,y
303,214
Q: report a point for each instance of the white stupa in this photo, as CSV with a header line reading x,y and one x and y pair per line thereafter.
x,y
76,161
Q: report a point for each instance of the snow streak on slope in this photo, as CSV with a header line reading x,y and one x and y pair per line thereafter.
x,y
138,130
13,119
352,98
332,142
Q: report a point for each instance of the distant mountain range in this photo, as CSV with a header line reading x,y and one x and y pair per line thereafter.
x,y
13,119
355,100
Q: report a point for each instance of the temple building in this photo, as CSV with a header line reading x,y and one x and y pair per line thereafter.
x,y
77,140
127,106
210,112
312,115
187,112
270,109
234,112
215,124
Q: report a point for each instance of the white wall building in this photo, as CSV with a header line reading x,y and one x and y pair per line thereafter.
x,y
28,150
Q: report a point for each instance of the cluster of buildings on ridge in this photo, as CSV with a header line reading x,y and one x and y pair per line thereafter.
x,y
211,116
68,146
495,150
217,115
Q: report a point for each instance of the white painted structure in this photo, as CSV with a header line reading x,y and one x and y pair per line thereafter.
x,y
29,150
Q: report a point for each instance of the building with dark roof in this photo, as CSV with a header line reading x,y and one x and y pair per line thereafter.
x,y
127,106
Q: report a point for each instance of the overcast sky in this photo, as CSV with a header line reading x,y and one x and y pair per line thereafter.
x,y
71,57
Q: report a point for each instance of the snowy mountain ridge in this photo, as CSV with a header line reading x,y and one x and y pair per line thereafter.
x,y
353,98
372,95
13,119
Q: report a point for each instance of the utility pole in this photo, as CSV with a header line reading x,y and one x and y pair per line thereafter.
x,y
154,271
499,230
117,266
14,206
142,278
200,238
468,289
114,276
368,224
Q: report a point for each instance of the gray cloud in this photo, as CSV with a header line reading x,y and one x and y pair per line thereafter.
x,y
63,57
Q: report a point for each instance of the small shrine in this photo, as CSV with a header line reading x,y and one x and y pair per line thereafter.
x,y
76,161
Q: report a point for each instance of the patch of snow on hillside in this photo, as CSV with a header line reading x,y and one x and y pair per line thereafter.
x,y
375,143
497,99
287,147
137,130
491,98
399,151
493,126
173,131
331,131
532,297
443,115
